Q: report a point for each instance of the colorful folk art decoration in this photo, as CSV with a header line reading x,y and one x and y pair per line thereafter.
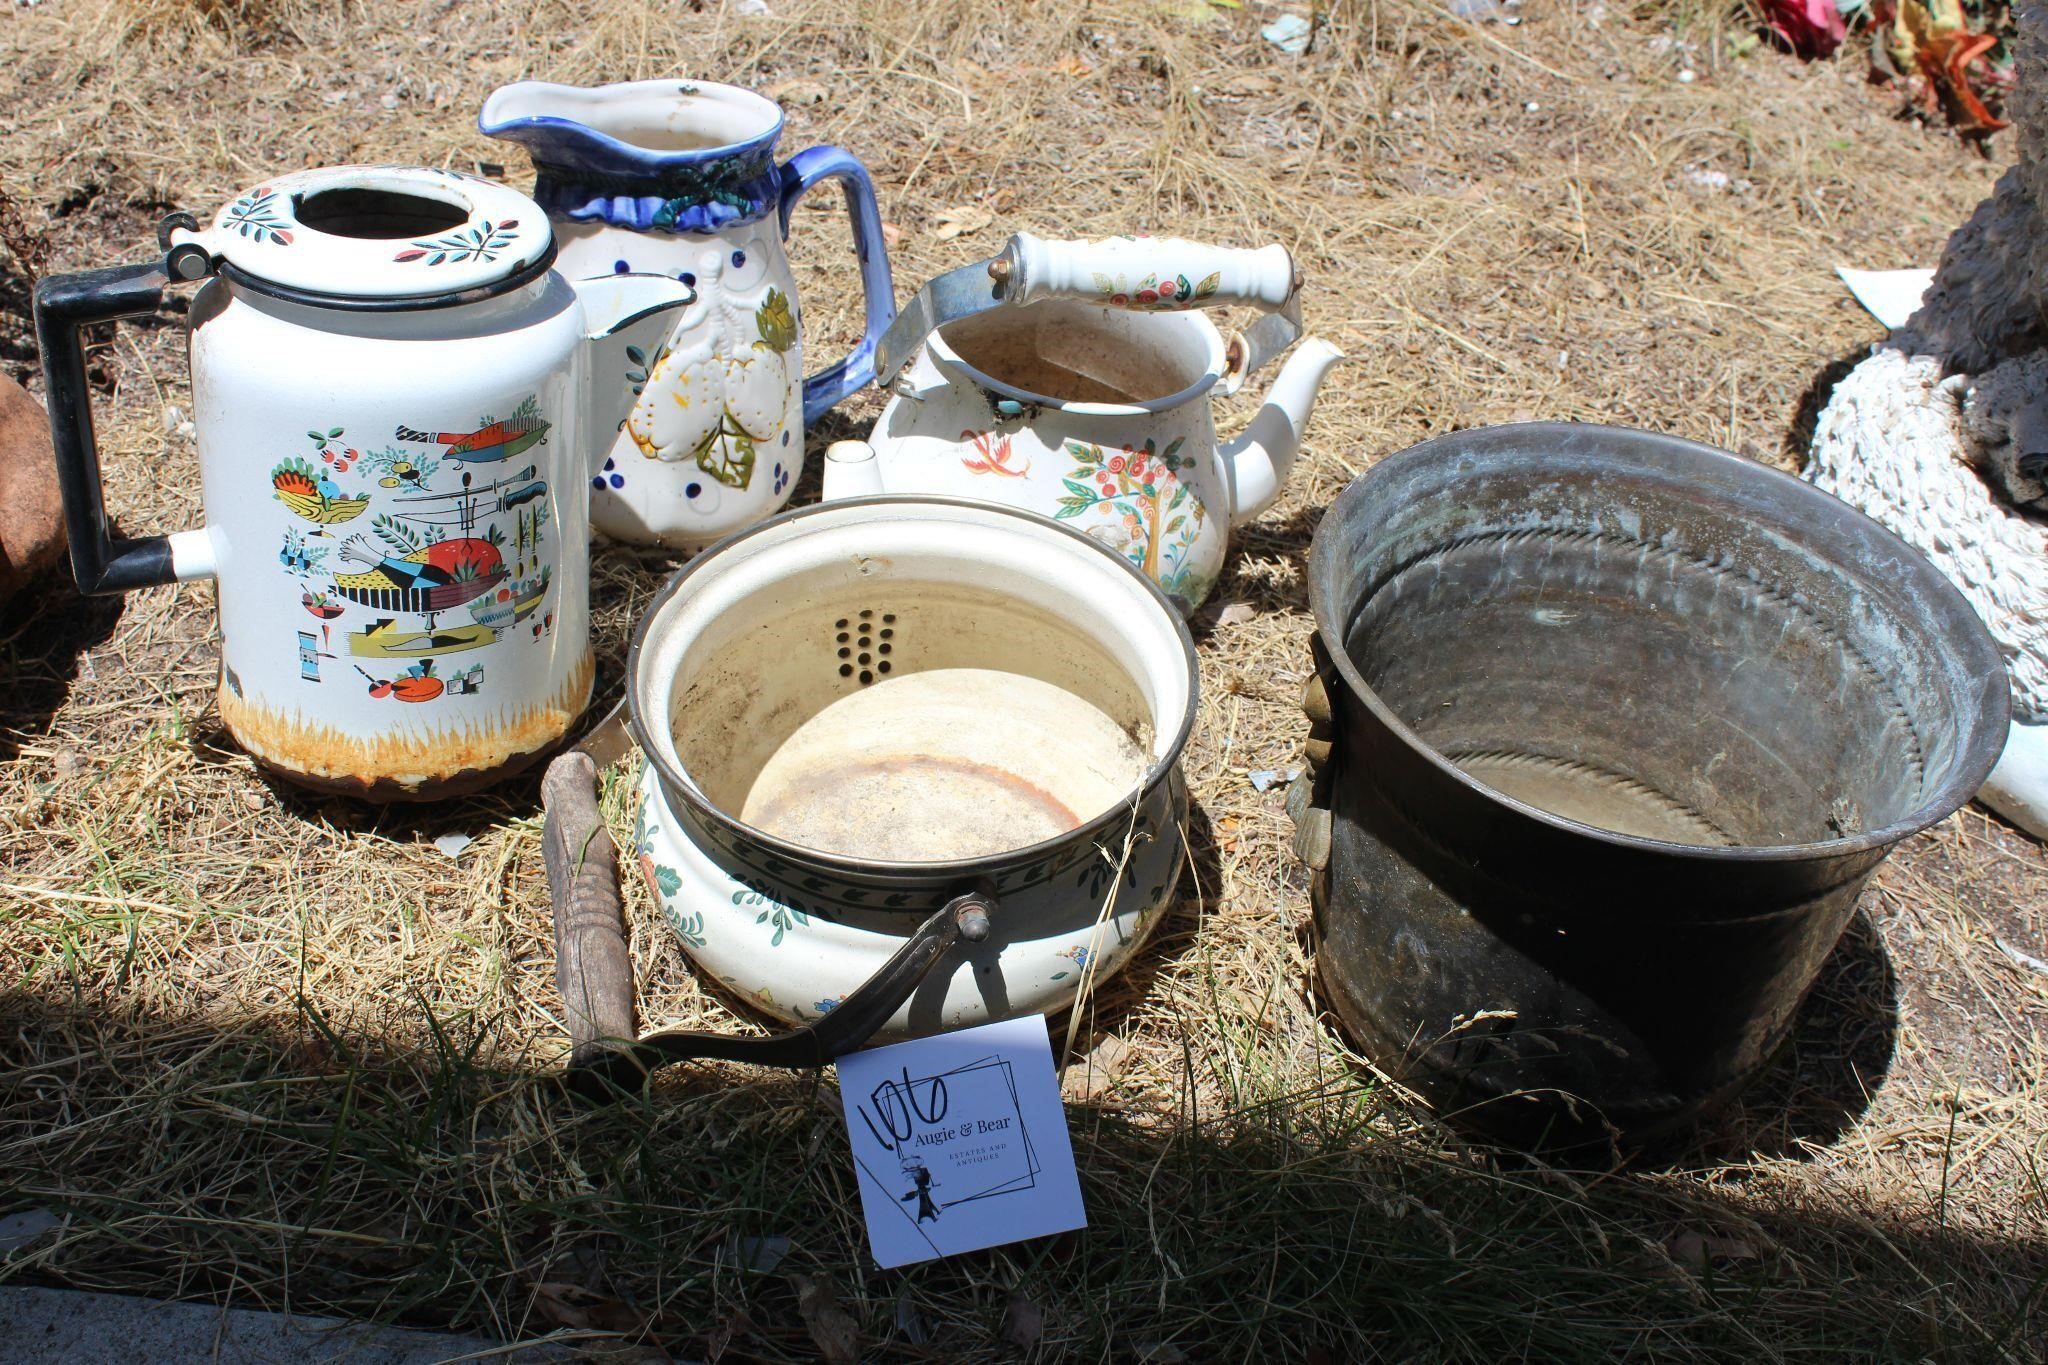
x,y
490,442
478,242
1139,506
440,540
1078,955
1154,294
988,453
256,215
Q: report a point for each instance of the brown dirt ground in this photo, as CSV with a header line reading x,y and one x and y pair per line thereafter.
x,y
218,1063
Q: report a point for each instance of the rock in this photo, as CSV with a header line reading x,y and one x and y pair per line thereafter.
x,y
31,512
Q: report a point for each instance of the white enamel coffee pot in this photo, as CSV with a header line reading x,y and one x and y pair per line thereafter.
x,y
399,406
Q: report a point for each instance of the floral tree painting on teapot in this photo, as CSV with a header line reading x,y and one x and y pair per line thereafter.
x,y
1136,502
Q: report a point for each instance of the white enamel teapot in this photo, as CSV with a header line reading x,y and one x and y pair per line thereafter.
x,y
1073,379
400,405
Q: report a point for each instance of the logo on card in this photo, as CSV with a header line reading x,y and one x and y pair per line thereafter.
x,y
983,1139
947,1130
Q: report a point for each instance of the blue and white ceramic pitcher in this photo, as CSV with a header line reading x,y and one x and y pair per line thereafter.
x,y
680,178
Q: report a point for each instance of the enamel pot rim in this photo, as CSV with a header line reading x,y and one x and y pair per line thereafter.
x,y
674,783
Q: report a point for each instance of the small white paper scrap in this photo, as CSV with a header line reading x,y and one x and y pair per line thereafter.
x,y
1892,296
453,844
960,1142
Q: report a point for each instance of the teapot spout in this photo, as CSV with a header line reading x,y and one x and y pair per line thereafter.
x,y
851,471
1258,462
622,315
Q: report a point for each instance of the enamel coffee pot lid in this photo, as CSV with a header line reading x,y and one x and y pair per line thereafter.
x,y
369,237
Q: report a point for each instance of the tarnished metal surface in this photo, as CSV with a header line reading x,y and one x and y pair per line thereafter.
x,y
1622,725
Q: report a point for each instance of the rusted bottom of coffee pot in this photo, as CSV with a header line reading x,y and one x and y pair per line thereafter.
x,y
405,766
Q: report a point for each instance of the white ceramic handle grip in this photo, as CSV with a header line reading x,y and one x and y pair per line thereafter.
x,y
1149,273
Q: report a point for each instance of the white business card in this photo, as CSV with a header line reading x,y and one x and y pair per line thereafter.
x,y
960,1142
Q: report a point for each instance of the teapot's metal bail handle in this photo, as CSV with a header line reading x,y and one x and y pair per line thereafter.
x,y
1145,274
1248,351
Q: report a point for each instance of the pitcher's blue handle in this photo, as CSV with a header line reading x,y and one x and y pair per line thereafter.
x,y
799,173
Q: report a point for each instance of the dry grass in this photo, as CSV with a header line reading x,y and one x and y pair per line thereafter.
x,y
266,1049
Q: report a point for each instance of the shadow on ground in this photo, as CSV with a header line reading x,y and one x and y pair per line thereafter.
x,y
45,632
435,1181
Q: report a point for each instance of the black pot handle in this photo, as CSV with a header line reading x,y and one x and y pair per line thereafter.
x,y
595,972
64,306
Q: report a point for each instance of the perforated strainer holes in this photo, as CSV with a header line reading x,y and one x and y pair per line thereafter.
x,y
863,643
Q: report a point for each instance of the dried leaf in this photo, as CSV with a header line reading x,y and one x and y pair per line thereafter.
x,y
1249,83
1023,1323
1097,1073
1229,613
962,221
832,1328
892,236
798,92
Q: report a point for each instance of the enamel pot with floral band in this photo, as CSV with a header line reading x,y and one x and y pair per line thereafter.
x,y
399,404
916,759
1074,379
680,178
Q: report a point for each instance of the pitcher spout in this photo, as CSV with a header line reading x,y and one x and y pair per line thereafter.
x,y
626,318
1258,462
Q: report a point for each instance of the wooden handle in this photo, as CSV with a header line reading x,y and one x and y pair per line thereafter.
x,y
592,966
